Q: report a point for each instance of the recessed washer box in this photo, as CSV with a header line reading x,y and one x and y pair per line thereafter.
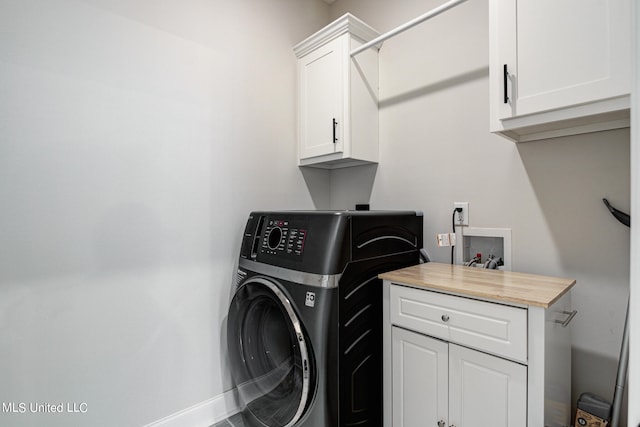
x,y
485,241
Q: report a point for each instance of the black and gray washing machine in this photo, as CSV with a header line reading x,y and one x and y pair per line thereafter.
x,y
305,323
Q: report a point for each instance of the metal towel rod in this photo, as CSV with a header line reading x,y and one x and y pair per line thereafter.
x,y
434,12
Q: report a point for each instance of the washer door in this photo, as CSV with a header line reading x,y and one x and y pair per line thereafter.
x,y
268,354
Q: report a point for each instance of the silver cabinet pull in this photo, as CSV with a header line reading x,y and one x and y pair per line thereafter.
x,y
570,316
445,318
441,423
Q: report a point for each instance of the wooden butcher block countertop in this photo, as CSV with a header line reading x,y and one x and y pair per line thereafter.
x,y
507,286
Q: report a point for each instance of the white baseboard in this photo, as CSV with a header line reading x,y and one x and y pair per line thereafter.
x,y
203,414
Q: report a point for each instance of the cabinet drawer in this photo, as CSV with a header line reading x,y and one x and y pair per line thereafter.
x,y
493,328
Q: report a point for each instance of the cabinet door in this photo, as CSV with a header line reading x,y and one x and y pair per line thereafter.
x,y
485,390
560,54
420,379
322,79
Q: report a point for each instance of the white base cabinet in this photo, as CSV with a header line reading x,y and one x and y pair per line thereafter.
x,y
420,379
559,68
337,96
485,390
456,361
441,384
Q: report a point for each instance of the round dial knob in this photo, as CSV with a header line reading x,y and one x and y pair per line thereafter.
x,y
275,235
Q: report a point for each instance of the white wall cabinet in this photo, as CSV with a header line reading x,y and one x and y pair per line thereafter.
x,y
337,96
559,68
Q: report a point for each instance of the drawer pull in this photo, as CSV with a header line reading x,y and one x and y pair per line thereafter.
x,y
445,318
441,423
570,316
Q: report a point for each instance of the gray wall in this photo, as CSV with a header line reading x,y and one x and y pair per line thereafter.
x,y
135,137
435,148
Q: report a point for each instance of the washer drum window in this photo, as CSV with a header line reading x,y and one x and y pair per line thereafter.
x,y
268,354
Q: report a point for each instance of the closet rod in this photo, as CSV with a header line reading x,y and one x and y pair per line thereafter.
x,y
434,12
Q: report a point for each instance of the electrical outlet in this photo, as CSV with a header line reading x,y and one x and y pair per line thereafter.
x,y
462,218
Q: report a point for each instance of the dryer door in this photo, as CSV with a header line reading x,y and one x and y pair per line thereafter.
x,y
268,353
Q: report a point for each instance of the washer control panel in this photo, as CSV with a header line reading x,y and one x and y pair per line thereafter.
x,y
282,237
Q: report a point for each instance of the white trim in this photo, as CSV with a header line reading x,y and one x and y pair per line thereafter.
x,y
347,23
612,113
203,414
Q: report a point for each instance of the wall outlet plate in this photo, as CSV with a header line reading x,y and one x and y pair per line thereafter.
x,y
462,218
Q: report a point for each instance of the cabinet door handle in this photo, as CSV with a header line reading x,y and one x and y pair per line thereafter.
x,y
335,124
504,81
570,316
445,318
441,423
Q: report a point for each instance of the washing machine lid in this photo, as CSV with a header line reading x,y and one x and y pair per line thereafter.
x,y
269,354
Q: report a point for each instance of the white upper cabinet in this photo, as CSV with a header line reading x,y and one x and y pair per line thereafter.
x,y
321,102
559,67
338,96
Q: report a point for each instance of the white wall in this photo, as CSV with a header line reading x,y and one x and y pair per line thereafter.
x,y
135,137
436,149
634,316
